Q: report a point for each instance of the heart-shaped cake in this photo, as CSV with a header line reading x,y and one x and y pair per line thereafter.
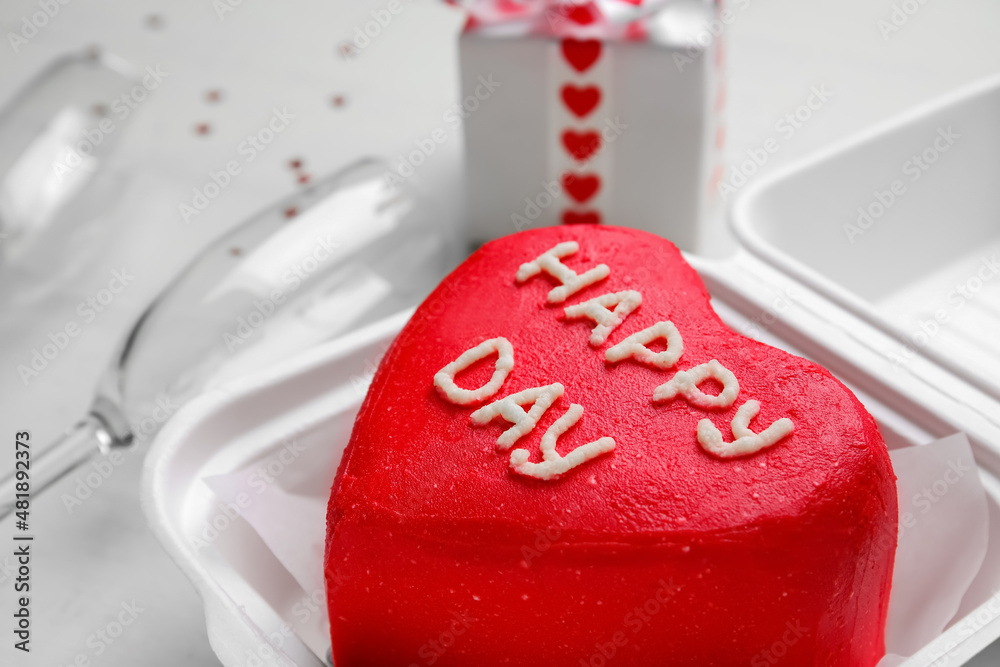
x,y
566,458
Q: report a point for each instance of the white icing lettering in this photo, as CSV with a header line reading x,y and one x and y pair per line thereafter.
x,y
597,310
685,383
635,347
549,262
510,409
745,441
444,379
553,464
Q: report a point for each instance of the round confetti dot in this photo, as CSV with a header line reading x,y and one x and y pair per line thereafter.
x,y
291,212
235,252
202,128
338,100
304,178
99,110
295,163
154,21
213,96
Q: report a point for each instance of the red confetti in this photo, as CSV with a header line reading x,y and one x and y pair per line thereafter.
x,y
202,128
154,21
213,95
291,212
235,252
295,163
304,178
338,100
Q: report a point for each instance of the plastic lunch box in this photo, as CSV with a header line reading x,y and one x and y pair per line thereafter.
x,y
798,282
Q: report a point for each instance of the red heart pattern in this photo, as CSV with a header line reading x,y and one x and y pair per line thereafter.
x,y
581,145
581,187
585,218
581,53
581,101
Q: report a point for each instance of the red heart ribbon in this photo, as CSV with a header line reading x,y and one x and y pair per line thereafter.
x,y
603,19
581,100
581,145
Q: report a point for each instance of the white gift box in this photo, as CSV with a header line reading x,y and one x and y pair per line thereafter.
x,y
611,120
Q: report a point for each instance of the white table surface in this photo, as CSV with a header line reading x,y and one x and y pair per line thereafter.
x,y
89,562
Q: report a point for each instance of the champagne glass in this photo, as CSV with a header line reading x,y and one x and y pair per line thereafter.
x,y
58,137
348,251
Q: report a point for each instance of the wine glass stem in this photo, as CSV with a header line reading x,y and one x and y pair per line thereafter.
x,y
88,439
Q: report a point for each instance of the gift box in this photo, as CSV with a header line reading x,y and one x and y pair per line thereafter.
x,y
604,112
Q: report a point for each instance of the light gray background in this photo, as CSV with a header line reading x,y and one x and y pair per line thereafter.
x,y
266,54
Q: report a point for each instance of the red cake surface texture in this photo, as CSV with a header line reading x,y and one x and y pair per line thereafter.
x,y
657,552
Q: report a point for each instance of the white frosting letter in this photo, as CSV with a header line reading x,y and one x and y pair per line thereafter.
x,y
553,465
597,310
685,383
572,283
635,346
510,409
745,441
444,379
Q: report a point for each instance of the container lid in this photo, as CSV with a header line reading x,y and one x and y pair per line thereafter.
x,y
885,247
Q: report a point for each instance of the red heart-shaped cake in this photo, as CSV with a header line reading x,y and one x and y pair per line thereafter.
x,y
566,458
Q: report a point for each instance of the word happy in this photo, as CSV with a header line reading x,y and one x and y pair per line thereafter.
x,y
607,312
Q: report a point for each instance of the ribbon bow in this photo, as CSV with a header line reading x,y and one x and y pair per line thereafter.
x,y
594,19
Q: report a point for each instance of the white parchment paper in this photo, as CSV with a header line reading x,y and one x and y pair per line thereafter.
x,y
943,534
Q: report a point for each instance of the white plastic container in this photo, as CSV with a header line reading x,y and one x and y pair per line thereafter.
x,y
811,306
900,228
